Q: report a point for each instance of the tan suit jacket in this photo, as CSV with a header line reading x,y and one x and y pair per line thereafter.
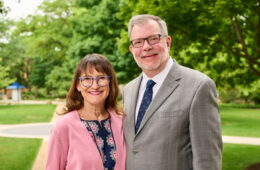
x,y
180,129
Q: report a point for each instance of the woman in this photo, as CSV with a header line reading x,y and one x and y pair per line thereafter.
x,y
89,135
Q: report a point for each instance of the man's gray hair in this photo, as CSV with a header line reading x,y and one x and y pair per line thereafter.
x,y
144,18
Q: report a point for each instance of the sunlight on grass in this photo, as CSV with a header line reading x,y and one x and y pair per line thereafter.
x,y
240,121
30,113
18,153
238,157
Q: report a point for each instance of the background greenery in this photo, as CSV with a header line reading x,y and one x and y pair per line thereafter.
x,y
218,37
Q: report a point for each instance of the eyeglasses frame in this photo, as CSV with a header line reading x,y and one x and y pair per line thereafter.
x,y
92,80
160,35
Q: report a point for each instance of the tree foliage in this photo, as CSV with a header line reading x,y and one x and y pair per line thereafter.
x,y
46,43
97,29
8,71
218,37
2,8
5,80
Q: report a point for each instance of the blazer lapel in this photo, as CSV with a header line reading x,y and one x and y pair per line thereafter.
x,y
132,106
170,83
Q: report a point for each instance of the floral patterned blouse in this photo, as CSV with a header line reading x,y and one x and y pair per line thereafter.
x,y
103,137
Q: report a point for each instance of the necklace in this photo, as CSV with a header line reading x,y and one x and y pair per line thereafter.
x,y
89,116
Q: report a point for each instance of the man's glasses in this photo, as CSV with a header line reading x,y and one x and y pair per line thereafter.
x,y
87,81
153,39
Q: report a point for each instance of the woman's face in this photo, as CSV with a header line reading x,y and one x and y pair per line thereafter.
x,y
94,93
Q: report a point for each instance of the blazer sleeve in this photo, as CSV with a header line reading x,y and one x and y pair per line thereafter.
x,y
205,128
57,149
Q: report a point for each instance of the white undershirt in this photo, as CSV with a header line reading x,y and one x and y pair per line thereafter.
x,y
158,79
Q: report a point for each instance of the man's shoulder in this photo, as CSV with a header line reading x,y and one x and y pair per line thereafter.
x,y
192,73
193,78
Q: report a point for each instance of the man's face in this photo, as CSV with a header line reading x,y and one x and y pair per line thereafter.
x,y
150,58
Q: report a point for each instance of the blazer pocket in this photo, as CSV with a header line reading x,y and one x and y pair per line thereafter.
x,y
168,114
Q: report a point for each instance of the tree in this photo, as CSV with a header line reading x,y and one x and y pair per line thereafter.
x,y
218,37
8,47
60,78
1,6
46,43
5,79
97,29
3,9
4,76
13,55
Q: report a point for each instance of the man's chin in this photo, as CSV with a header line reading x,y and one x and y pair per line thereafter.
x,y
151,68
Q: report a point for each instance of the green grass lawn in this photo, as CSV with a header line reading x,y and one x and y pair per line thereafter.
x,y
238,157
239,120
29,113
18,153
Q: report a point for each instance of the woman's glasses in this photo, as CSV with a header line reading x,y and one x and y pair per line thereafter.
x,y
101,81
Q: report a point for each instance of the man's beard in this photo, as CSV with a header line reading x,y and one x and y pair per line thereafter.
x,y
155,67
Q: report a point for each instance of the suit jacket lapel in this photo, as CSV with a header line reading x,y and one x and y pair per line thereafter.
x,y
170,83
133,101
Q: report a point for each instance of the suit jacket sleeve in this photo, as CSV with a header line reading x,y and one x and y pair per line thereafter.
x,y
205,130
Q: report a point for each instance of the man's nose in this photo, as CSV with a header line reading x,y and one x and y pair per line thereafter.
x,y
146,46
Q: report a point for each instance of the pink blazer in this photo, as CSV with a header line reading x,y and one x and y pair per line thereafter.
x,y
71,147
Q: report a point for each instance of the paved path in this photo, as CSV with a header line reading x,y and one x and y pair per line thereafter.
x,y
43,130
241,140
57,101
35,130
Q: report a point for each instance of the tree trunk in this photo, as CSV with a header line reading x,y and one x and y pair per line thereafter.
x,y
5,95
36,92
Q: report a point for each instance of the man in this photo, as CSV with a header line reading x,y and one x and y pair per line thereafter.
x,y
180,128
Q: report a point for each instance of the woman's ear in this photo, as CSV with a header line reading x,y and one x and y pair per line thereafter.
x,y
78,88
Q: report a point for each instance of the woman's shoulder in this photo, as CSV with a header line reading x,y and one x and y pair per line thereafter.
x,y
119,115
66,119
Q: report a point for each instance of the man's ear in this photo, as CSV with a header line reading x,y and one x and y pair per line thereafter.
x,y
169,42
131,48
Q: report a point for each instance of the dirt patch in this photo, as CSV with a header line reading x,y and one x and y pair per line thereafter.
x,y
255,166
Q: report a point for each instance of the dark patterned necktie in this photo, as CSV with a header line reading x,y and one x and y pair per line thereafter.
x,y
147,98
